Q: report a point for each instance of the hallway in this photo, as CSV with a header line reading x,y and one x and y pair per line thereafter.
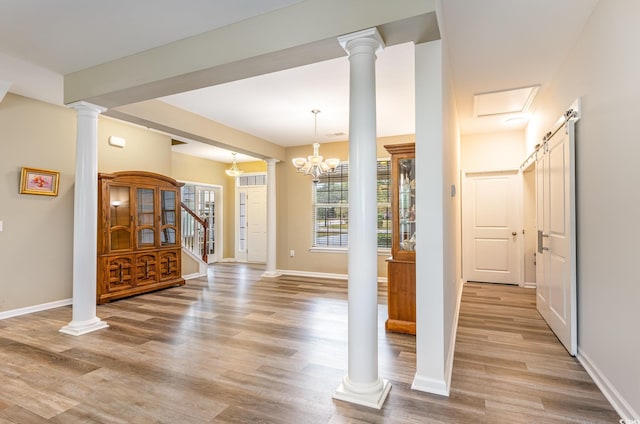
x,y
507,355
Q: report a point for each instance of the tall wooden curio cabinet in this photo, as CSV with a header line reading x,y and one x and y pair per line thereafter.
x,y
401,266
138,234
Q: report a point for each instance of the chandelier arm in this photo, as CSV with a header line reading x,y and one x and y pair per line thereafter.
x,y
315,165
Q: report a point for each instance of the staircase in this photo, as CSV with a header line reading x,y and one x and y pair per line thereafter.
x,y
194,233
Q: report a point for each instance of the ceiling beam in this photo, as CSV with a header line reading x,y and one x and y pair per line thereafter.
x,y
296,35
179,122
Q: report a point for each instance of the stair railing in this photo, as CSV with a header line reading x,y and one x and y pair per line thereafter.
x,y
194,232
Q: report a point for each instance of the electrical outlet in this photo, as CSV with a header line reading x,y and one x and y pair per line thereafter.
x,y
292,253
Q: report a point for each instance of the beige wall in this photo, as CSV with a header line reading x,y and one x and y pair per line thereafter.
x,y
249,167
294,212
492,151
603,68
189,265
198,170
145,150
36,243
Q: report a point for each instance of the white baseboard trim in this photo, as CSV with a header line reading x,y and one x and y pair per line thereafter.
x,y
194,275
529,285
430,385
618,402
448,372
437,386
35,308
297,273
230,260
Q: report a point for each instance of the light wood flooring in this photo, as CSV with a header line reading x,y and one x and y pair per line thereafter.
x,y
232,348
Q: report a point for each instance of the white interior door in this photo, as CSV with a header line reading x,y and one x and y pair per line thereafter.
x,y
490,227
556,264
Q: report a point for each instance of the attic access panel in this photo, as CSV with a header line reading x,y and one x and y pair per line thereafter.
x,y
502,102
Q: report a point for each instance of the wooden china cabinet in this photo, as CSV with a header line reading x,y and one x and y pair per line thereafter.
x,y
401,266
138,234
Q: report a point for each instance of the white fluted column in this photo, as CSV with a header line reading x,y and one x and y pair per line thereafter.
x,y
270,271
362,385
85,222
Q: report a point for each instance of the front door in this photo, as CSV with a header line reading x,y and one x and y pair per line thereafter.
x,y
251,222
489,230
257,224
556,264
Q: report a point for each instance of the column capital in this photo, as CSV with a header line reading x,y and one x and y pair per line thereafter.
x,y
272,161
369,36
83,106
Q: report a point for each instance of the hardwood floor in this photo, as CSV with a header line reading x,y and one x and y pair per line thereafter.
x,y
232,348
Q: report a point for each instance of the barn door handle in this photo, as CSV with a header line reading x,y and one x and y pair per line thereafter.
x,y
541,236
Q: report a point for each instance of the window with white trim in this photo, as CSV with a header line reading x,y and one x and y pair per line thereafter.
x,y
330,201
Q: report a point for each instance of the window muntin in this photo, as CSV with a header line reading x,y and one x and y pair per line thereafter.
x,y
330,200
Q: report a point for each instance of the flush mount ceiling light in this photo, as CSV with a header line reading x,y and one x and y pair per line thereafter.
x,y
314,165
501,102
234,171
516,120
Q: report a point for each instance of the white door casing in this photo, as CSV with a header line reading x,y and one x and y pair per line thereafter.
x,y
490,227
556,293
529,229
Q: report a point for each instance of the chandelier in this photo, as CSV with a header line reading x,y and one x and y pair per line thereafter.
x,y
314,165
234,171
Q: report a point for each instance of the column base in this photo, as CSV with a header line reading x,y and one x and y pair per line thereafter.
x,y
78,328
372,396
271,274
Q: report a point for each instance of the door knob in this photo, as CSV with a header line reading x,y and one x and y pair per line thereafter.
x,y
514,233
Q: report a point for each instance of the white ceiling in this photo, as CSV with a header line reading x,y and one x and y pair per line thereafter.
x,y
493,45
277,106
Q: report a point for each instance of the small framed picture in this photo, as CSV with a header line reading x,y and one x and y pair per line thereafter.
x,y
39,181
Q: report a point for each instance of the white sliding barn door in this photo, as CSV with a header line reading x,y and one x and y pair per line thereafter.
x,y
490,227
556,265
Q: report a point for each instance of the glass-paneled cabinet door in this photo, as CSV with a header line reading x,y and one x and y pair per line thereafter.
x,y
406,204
119,218
145,198
168,215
